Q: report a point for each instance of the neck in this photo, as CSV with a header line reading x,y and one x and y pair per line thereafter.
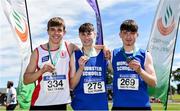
x,y
53,46
129,48
87,48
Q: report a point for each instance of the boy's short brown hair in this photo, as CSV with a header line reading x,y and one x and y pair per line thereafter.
x,y
86,27
56,21
129,25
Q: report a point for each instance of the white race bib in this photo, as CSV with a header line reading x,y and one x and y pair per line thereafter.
x,y
94,87
54,83
128,82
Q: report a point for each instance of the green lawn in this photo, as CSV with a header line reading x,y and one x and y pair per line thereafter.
x,y
155,107
175,106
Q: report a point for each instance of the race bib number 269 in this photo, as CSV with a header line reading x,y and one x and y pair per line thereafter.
x,y
128,83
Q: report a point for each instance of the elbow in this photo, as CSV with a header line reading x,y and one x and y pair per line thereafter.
x,y
71,85
25,81
153,83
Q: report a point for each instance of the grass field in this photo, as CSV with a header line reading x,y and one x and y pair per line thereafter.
x,y
174,106
155,107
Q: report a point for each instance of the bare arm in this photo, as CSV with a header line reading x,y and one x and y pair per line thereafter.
x,y
31,75
76,75
106,51
71,47
148,75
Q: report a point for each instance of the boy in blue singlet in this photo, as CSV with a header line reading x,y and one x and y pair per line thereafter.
x,y
133,72
88,73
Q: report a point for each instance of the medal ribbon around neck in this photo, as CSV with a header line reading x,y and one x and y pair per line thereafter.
x,y
90,53
128,59
57,55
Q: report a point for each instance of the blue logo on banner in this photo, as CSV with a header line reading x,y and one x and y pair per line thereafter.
x,y
45,58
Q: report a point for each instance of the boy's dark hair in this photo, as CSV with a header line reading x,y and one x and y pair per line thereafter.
x,y
56,21
86,27
10,84
129,25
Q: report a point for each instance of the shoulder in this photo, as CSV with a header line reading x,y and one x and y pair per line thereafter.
x,y
71,47
116,51
97,49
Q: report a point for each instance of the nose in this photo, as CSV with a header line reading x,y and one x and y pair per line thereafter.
x,y
86,36
128,34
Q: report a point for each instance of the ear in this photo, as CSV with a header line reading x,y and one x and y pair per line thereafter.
x,y
137,34
64,32
48,31
95,34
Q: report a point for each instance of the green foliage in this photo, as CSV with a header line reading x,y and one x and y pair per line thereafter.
x,y
109,77
176,74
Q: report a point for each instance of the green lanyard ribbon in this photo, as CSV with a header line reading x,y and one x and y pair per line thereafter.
x,y
57,55
128,59
90,53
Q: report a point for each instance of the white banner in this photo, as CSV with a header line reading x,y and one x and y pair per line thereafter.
x,y
15,11
162,43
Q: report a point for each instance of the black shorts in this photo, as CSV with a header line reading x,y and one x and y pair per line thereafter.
x,y
11,107
131,108
51,107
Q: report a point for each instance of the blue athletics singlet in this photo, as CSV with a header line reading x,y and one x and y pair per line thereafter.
x,y
129,89
90,93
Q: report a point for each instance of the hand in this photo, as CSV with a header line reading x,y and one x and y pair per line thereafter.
x,y
135,65
7,104
48,68
107,54
82,61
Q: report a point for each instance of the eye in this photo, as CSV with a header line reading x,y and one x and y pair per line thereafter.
x,y
52,29
59,30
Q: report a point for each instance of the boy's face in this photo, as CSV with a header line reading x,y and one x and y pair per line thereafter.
x,y
128,37
56,34
87,38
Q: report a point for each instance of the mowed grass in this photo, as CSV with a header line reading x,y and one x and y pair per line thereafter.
x,y
155,107
175,106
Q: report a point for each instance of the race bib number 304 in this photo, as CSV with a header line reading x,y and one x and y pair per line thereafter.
x,y
94,87
128,83
54,83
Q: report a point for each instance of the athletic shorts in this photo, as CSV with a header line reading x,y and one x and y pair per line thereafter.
x,y
131,108
50,107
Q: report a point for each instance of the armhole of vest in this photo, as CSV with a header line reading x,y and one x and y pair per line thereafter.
x,y
67,49
69,63
145,57
37,59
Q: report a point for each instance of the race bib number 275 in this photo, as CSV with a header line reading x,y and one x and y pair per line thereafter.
x,y
94,87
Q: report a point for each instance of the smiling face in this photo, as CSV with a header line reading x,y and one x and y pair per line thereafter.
x,y
56,29
56,34
87,34
128,33
87,38
128,37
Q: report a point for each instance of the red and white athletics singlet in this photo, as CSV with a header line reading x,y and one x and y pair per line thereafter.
x,y
53,89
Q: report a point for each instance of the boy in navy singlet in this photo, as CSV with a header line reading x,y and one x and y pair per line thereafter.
x,y
133,72
88,74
